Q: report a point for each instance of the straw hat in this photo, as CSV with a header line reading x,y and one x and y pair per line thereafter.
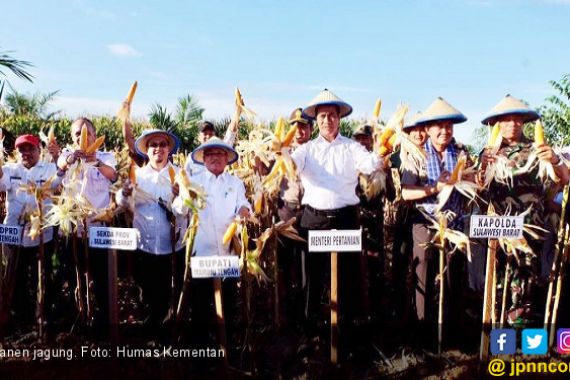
x,y
411,122
364,129
297,116
440,110
510,105
214,142
141,143
327,98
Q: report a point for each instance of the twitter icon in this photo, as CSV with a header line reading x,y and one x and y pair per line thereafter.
x,y
534,341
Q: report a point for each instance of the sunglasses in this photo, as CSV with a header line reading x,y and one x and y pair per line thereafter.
x,y
158,145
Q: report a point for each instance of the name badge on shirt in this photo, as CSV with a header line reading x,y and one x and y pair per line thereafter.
x,y
214,266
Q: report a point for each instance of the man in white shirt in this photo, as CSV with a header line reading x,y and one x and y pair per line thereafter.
x,y
161,230
225,196
329,167
206,132
22,270
96,176
225,201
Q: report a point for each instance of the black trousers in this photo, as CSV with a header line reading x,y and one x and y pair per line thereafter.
x,y
318,269
153,273
26,282
97,265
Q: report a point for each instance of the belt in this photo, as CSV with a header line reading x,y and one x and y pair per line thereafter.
x,y
332,213
292,205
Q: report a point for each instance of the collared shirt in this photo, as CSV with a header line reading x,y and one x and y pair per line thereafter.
x,y
149,217
420,177
92,185
329,171
225,196
19,202
193,168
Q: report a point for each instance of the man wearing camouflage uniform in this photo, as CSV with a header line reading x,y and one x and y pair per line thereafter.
x,y
527,191
291,255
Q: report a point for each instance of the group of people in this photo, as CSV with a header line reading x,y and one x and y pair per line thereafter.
x,y
396,269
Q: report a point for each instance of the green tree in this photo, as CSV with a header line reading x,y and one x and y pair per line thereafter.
x,y
35,105
556,113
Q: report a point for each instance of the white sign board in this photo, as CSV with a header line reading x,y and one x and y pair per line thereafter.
x,y
10,234
495,227
214,266
113,238
335,240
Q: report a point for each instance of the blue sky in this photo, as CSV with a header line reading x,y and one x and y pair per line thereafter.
x,y
282,53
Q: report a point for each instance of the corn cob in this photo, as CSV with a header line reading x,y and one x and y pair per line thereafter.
x,y
387,133
289,136
258,202
183,179
239,99
538,133
171,174
96,145
83,139
494,134
131,94
51,134
388,146
274,171
280,129
458,168
229,234
377,108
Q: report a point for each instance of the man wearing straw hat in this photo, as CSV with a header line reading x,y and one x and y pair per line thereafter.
x,y
329,166
21,275
527,191
225,202
291,254
422,185
206,131
155,220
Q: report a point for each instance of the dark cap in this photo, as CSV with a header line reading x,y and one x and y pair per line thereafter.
x,y
203,125
297,116
363,130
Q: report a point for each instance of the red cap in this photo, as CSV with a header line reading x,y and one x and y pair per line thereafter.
x,y
27,139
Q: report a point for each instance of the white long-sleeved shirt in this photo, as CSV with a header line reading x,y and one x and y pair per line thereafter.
x,y
93,185
151,219
16,174
329,171
193,168
225,196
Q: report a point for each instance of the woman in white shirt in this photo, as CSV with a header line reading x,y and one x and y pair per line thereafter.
x,y
161,231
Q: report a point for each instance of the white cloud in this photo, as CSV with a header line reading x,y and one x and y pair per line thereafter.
x,y
123,50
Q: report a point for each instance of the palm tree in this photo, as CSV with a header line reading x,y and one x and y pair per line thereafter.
x,y
183,123
159,118
188,112
15,66
35,105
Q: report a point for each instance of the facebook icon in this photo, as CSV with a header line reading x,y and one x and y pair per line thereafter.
x,y
503,341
